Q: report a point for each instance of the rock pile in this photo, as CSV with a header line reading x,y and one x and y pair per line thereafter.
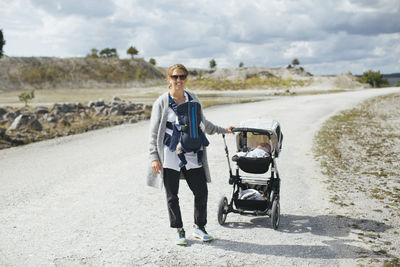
x,y
22,126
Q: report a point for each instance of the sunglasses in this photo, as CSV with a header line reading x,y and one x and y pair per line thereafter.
x,y
175,77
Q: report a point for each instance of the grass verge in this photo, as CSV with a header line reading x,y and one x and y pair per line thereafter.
x,y
359,151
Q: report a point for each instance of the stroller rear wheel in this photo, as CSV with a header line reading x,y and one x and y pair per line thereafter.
x,y
222,210
275,214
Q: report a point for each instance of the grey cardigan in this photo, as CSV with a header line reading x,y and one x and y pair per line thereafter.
x,y
158,121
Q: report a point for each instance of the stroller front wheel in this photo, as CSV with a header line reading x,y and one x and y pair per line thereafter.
x,y
222,210
275,214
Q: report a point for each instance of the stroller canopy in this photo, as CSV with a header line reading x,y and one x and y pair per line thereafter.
x,y
263,126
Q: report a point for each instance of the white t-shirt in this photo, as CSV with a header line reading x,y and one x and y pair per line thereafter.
x,y
171,160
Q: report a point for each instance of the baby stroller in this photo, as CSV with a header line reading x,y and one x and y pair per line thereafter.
x,y
257,193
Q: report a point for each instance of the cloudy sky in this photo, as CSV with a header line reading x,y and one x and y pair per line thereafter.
x,y
327,36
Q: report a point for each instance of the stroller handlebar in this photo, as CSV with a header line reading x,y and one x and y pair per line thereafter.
x,y
253,130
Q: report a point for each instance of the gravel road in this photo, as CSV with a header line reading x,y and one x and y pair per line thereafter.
x,y
82,199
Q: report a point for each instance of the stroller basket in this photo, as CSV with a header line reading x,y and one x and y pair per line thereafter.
x,y
254,165
259,205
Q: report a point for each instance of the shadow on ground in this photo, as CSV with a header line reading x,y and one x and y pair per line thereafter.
x,y
335,228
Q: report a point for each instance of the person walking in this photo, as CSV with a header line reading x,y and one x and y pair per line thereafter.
x,y
166,167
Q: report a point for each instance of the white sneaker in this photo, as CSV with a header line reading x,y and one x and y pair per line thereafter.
x,y
202,234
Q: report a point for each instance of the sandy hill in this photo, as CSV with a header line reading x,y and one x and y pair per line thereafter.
x,y
45,72
248,73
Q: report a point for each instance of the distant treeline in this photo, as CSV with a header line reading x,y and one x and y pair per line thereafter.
x,y
393,75
392,78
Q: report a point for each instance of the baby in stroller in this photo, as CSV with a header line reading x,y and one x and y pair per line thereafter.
x,y
261,151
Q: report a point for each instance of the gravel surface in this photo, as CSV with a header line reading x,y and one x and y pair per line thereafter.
x,y
82,199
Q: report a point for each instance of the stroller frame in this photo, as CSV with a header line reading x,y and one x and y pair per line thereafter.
x,y
270,186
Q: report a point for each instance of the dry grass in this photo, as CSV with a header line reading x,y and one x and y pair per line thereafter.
x,y
252,83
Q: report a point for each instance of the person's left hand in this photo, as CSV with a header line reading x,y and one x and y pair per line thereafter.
x,y
229,129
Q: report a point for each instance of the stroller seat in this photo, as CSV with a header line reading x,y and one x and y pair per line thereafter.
x,y
253,165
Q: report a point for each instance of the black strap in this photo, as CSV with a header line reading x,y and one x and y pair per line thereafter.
x,y
183,128
167,139
169,125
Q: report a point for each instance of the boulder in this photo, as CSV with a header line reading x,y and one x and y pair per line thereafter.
x,y
90,104
63,108
79,106
130,107
10,116
69,107
52,118
21,121
36,125
116,101
99,103
116,111
41,111
2,112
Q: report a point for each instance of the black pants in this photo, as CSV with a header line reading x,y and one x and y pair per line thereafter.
x,y
196,179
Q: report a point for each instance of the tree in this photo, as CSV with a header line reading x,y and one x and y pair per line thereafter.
x,y
109,52
25,97
241,64
374,78
114,53
2,43
213,64
93,53
105,52
152,61
132,51
289,66
295,62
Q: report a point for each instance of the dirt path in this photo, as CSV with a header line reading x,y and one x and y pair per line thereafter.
x,y
83,200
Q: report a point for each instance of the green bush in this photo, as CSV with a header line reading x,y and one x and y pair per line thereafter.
x,y
26,97
213,63
152,61
374,78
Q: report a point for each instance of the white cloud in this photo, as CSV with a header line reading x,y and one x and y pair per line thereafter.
x,y
324,35
299,49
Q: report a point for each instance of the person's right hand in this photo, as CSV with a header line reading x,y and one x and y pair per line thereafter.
x,y
156,166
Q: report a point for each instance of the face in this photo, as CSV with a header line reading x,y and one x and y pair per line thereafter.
x,y
178,79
